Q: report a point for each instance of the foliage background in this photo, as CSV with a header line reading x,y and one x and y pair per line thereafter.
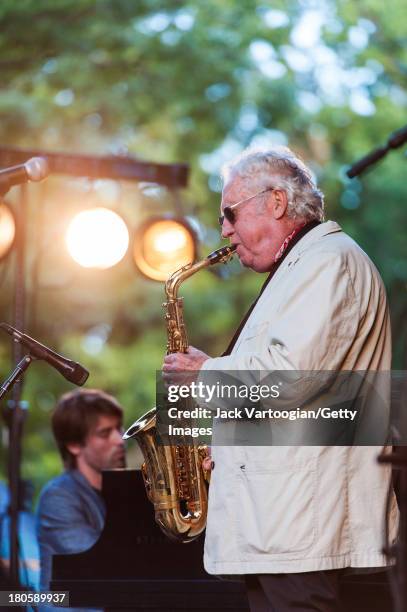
x,y
192,81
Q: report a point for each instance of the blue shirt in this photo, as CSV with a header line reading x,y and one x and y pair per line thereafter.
x,y
70,518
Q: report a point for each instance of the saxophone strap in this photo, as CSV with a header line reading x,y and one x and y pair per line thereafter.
x,y
294,240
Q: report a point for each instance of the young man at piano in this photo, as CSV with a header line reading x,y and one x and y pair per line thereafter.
x,y
87,426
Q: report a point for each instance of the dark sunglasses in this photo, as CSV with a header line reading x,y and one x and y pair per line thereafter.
x,y
229,211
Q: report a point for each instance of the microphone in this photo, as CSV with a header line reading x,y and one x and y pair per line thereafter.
x,y
396,139
35,169
70,370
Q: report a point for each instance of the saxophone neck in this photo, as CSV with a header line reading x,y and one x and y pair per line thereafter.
x,y
222,255
179,276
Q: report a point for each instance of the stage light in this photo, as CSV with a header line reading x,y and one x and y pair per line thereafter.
x,y
7,229
162,245
97,238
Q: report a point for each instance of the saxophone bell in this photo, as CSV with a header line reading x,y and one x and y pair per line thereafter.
x,y
143,423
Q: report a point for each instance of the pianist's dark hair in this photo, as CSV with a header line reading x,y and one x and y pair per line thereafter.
x,y
74,416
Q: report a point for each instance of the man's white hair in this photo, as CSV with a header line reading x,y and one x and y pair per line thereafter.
x,y
280,167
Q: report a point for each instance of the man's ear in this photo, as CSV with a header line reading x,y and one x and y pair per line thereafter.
x,y
280,203
74,448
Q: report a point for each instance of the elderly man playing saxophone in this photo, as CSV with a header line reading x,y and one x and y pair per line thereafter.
x,y
290,519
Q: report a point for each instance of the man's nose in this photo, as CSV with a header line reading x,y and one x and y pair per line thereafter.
x,y
118,437
227,229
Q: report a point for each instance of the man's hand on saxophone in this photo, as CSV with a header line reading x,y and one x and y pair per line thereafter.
x,y
182,368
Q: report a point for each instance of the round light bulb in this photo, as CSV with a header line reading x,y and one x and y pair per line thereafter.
x,y
163,246
7,230
97,238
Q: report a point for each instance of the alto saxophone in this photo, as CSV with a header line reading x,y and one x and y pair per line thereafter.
x,y
173,475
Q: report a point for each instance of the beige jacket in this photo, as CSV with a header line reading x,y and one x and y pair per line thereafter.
x,y
294,509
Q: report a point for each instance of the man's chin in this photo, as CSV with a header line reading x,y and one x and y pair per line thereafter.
x,y
118,462
245,262
242,258
254,264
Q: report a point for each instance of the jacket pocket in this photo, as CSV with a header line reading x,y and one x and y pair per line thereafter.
x,y
278,513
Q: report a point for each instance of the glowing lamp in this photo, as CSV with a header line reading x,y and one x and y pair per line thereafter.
x,y
7,230
162,245
97,238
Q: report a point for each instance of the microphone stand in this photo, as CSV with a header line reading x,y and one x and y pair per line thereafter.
x,y
398,461
11,380
14,415
16,410
398,552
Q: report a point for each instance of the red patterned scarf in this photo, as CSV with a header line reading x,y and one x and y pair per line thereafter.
x,y
287,241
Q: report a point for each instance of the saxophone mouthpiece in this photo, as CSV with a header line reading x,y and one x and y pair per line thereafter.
x,y
222,255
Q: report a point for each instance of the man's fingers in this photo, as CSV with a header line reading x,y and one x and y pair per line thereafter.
x,y
170,364
208,464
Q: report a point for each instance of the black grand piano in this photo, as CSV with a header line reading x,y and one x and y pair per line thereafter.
x,y
133,566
